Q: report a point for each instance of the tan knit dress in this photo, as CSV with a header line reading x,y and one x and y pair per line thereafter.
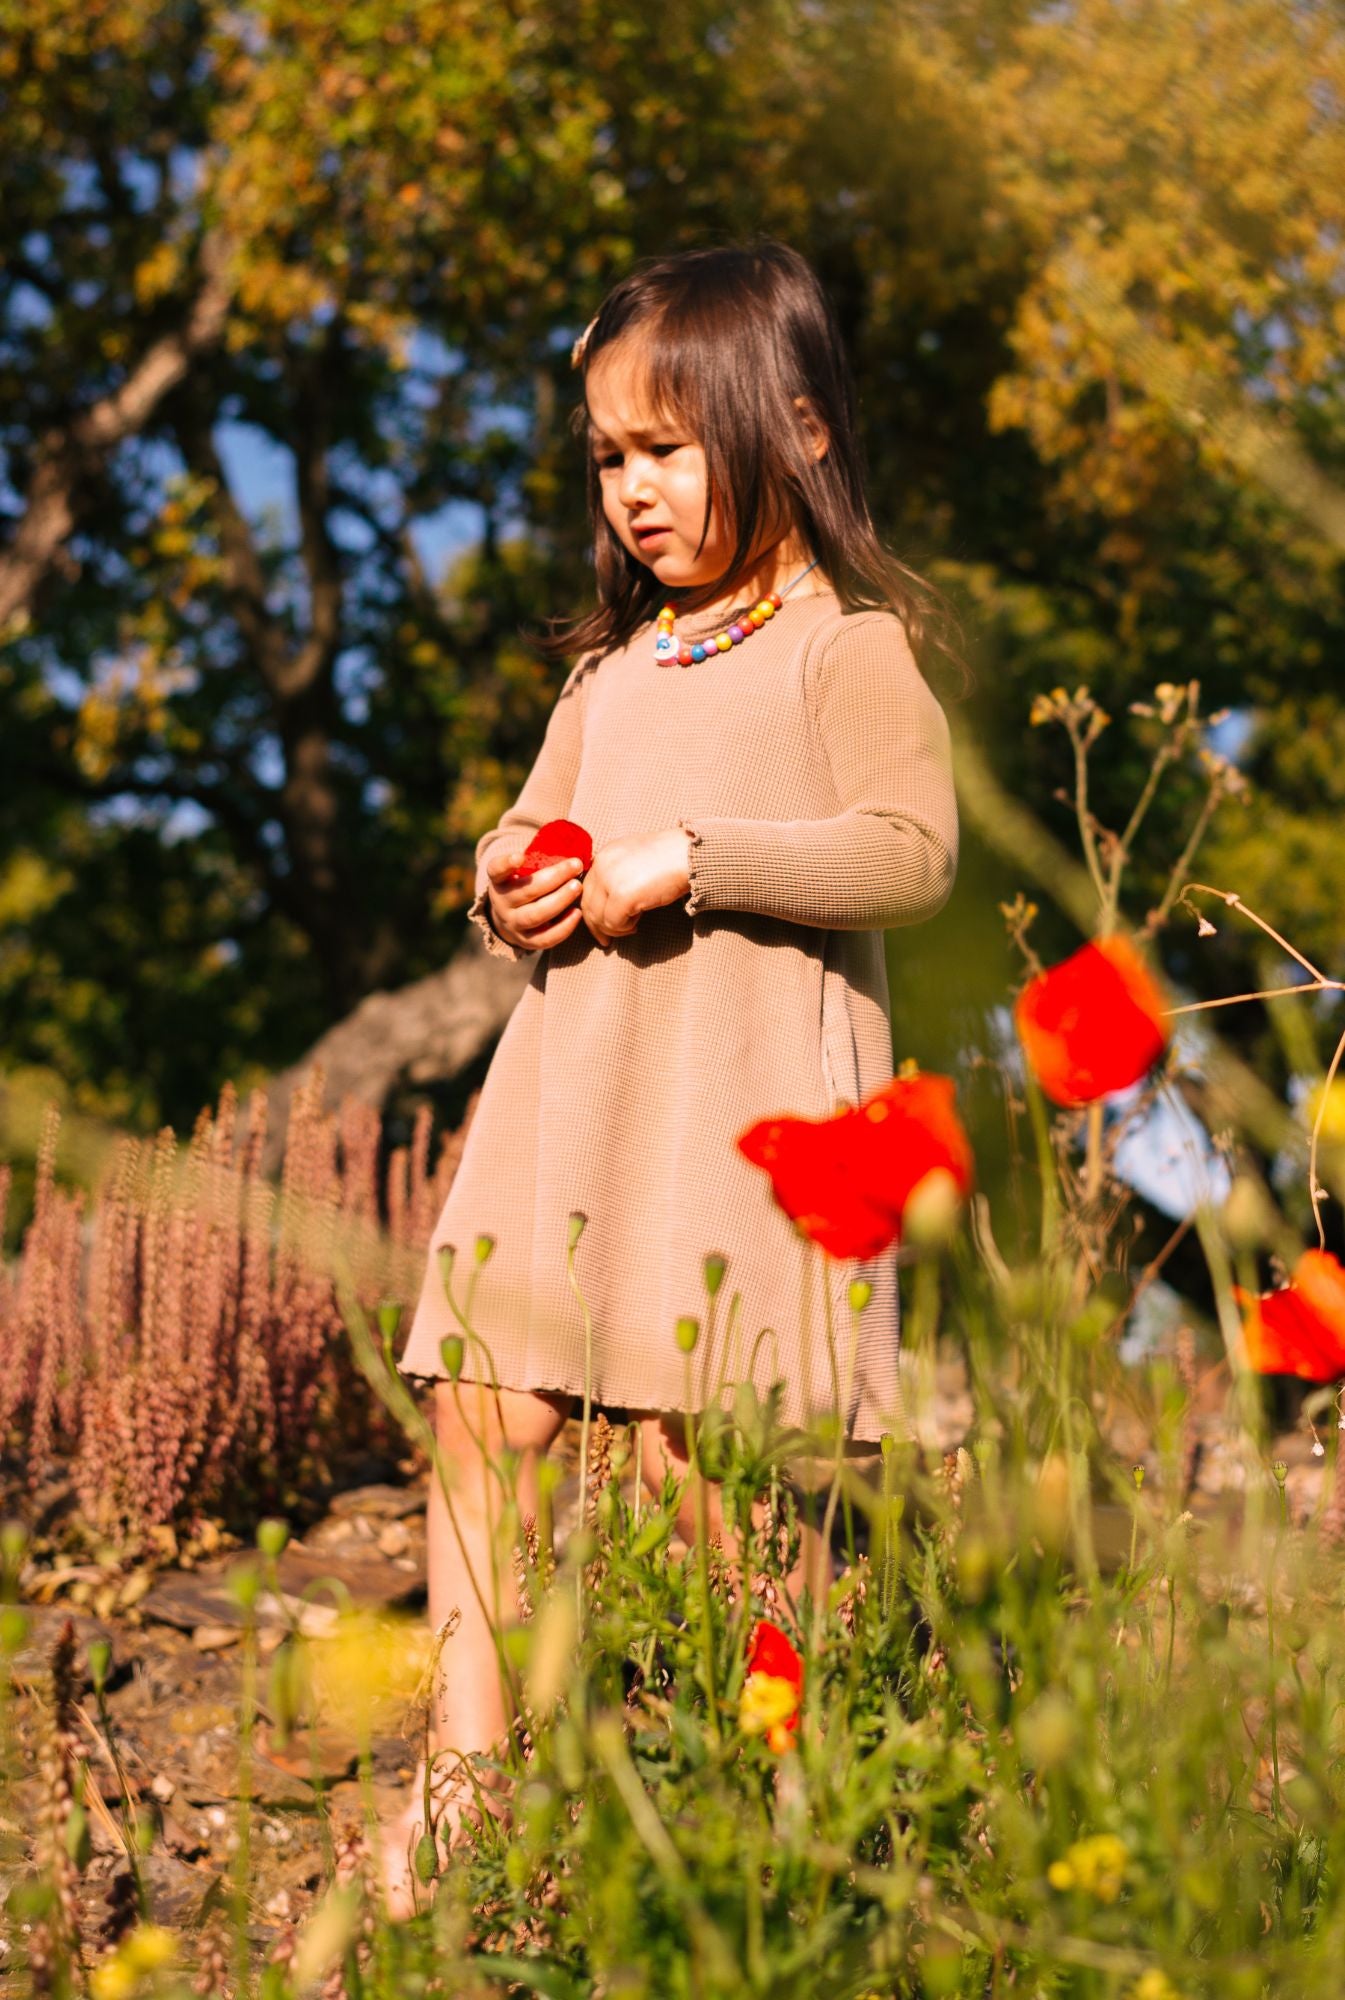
x,y
811,767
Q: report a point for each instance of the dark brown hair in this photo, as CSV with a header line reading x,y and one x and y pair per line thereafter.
x,y
731,336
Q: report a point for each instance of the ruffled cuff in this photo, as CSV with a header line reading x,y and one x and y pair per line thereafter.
x,y
479,913
696,900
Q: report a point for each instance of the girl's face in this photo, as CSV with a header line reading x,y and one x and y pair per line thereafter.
x,y
652,474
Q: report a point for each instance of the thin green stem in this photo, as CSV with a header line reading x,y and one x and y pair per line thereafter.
x,y
585,1418
700,1510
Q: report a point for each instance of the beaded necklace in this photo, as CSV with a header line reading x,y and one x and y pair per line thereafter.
x,y
667,646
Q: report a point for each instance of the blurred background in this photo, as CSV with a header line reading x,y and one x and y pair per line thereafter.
x,y
287,294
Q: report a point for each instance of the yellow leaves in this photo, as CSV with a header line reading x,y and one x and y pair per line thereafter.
x,y
1180,169
456,888
156,275
28,886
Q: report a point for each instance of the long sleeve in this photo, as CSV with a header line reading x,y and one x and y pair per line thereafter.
x,y
546,794
889,855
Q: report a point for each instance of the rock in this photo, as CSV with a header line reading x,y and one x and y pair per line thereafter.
x,y
175,1890
380,1503
31,1665
214,1638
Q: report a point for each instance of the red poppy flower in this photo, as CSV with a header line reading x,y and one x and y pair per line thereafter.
x,y
558,840
1092,1024
815,1166
909,1128
1300,1330
771,1651
773,1689
846,1180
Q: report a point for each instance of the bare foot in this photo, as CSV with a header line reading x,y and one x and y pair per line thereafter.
x,y
456,1817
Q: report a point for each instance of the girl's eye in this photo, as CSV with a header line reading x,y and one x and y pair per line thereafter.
x,y
611,459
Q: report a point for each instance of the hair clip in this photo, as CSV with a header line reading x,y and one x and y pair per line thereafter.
x,y
580,347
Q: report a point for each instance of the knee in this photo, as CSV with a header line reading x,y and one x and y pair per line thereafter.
x,y
471,1418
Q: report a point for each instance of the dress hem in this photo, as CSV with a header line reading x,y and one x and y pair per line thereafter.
x,y
853,1436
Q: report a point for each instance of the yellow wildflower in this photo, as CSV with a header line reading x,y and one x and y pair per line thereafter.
x,y
148,1947
1154,1985
1096,1865
766,1708
112,1980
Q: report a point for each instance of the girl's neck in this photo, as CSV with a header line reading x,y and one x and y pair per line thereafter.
x,y
771,570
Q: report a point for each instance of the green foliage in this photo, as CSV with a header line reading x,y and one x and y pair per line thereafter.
x,y
1062,333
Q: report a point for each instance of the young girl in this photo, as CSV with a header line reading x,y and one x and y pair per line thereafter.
x,y
767,789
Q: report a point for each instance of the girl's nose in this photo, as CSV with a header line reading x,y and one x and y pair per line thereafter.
x,y
635,484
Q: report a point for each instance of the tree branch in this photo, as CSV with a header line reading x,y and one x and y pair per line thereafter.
x,y
68,457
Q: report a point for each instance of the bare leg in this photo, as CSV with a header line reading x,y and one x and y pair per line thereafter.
x,y
469,1572
664,1449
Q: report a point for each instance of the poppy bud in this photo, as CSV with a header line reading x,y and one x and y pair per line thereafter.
x,y
244,1583
451,1354
389,1319
932,1210
715,1266
427,1857
445,1255
484,1246
688,1332
272,1536
577,1221
861,1291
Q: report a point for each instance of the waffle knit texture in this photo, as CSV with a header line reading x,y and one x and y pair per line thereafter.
x,y
811,769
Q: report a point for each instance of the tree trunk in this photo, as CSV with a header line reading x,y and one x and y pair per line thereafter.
x,y
424,1033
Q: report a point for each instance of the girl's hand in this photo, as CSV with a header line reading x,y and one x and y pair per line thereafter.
x,y
541,909
627,877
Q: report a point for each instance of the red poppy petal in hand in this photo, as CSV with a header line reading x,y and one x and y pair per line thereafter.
x,y
815,1168
558,840
1092,1024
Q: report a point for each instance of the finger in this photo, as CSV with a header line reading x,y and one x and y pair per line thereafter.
x,y
531,911
502,863
544,878
551,934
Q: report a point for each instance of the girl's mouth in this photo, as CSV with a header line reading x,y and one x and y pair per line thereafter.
x,y
646,535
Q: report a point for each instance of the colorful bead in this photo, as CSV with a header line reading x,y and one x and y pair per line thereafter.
x,y
668,647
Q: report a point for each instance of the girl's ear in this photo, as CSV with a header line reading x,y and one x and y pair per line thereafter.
x,y
817,434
